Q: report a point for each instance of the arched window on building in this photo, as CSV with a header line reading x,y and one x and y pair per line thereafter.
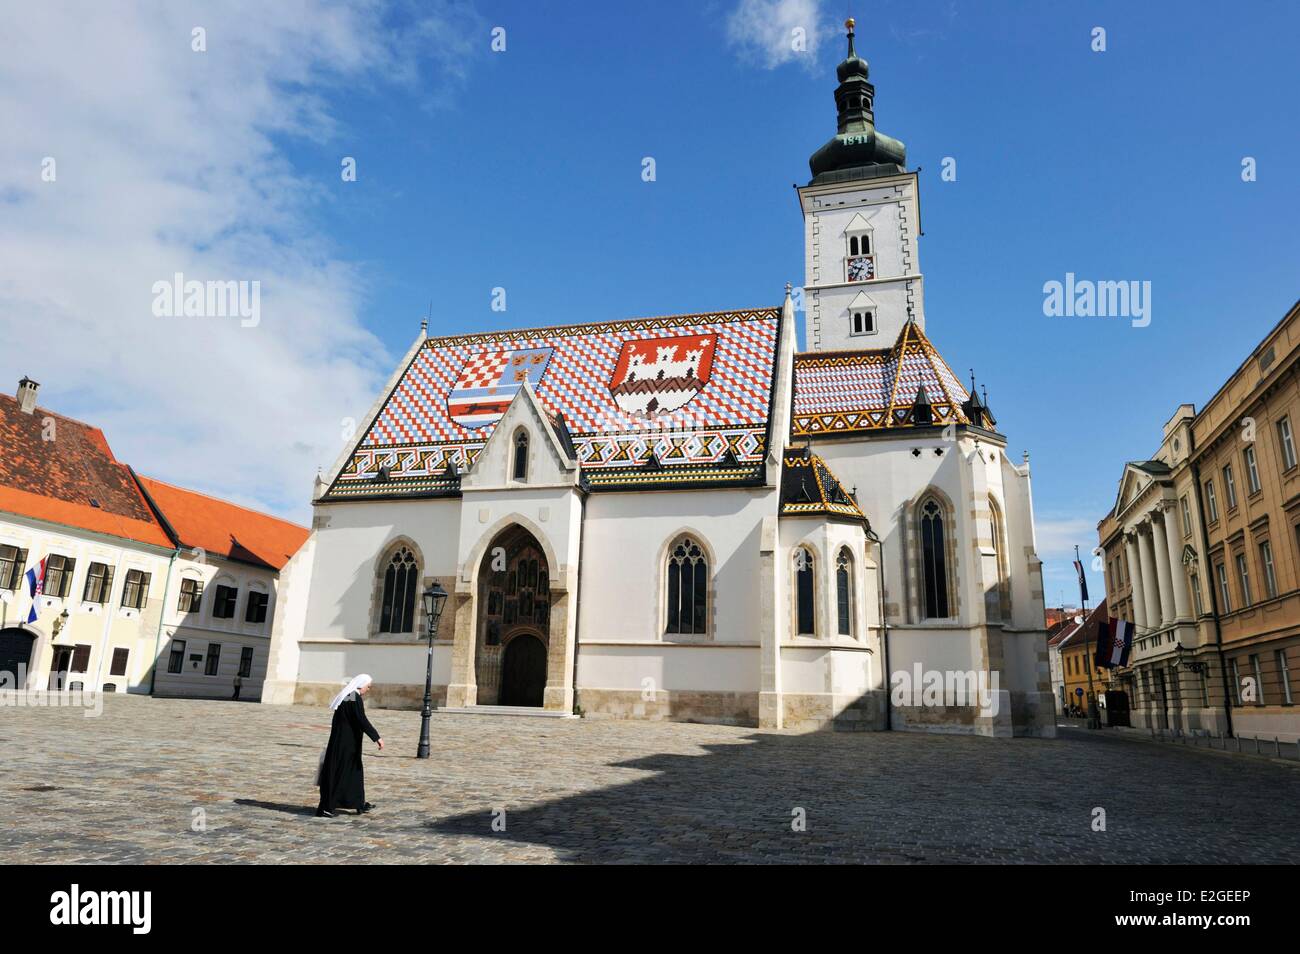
x,y
520,468
804,593
687,589
1001,605
934,559
844,592
401,581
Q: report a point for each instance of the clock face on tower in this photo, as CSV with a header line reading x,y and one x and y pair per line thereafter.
x,y
861,269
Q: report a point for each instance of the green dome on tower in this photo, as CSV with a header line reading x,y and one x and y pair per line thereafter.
x,y
857,150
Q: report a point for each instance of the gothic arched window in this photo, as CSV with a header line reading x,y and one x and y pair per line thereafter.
x,y
401,580
805,619
520,469
844,593
934,559
1002,602
687,589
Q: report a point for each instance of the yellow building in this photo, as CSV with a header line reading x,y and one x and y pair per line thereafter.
x,y
1202,552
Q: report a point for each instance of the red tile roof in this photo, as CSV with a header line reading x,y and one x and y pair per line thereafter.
x,y
64,472
225,529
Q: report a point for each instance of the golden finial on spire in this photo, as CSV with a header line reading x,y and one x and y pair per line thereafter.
x,y
849,24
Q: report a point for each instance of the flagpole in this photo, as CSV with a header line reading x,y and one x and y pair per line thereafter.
x,y
1094,717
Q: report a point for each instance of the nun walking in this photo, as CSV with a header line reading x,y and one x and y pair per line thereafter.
x,y
340,776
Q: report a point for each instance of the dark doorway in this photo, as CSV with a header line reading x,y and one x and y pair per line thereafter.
x,y
15,652
60,667
523,672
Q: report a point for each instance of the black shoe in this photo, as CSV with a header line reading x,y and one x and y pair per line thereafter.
x,y
366,808
321,813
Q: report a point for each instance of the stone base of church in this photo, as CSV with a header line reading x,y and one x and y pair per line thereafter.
x,y
279,692
1029,714
678,705
381,695
824,711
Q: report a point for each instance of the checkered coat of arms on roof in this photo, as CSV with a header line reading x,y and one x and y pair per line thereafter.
x,y
490,380
659,375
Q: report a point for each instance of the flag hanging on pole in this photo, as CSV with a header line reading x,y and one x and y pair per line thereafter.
x,y
1083,580
1114,640
35,587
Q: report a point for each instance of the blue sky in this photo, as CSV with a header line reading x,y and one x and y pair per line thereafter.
x,y
522,169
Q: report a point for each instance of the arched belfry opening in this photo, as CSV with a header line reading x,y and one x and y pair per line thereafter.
x,y
514,621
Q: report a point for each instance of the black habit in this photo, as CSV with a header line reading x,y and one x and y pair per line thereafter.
x,y
342,780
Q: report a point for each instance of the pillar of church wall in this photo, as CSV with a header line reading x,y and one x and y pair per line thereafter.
x,y
462,690
558,695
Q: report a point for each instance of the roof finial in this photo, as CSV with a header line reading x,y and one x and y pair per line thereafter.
x,y
848,25
424,322
788,288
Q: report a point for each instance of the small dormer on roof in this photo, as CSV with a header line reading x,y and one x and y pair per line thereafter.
x,y
809,488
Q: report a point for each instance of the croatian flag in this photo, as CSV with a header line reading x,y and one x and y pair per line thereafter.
x,y
1114,641
35,586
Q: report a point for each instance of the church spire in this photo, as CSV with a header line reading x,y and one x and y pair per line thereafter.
x,y
858,151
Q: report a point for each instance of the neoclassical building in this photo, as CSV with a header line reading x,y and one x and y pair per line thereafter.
x,y
683,518
1202,552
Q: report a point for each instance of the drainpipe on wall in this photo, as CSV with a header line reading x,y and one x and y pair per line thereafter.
x,y
577,601
162,615
884,626
1214,598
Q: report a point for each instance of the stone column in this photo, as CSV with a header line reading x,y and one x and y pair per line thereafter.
x,y
462,689
1150,585
1135,581
558,695
1173,540
1163,572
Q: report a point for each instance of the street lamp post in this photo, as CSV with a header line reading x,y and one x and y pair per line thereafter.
x,y
433,599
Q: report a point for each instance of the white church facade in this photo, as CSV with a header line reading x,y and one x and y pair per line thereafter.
x,y
685,518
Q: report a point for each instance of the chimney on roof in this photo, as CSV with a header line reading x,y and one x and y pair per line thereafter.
x,y
27,395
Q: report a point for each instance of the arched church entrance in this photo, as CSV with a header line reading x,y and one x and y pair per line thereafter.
x,y
513,628
523,671
16,656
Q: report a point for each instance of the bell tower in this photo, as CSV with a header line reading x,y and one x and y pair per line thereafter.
x,y
861,222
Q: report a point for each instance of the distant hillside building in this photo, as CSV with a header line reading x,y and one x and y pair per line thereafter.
x,y
146,587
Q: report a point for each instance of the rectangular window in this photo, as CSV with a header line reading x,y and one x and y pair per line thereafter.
x,y
1270,574
1286,442
214,659
58,575
176,658
223,607
1229,488
1211,503
191,596
1259,679
1236,680
1243,575
1284,675
118,667
1252,471
99,585
246,661
80,658
13,562
1187,517
135,591
1225,598
255,611
1196,593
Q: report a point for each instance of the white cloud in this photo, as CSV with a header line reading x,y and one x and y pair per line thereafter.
x,y
170,160
771,33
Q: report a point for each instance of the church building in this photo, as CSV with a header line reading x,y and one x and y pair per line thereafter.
x,y
684,517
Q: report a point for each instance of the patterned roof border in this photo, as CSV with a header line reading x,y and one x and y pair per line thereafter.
x,y
839,392
809,488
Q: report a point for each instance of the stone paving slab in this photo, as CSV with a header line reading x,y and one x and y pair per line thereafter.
x,y
127,786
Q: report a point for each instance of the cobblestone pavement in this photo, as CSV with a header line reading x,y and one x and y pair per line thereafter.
x,y
125,787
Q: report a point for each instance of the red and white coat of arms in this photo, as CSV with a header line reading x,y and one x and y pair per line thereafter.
x,y
659,375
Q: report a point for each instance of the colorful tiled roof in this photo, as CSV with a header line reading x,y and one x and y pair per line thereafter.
x,y
809,488
62,471
849,391
225,529
683,399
